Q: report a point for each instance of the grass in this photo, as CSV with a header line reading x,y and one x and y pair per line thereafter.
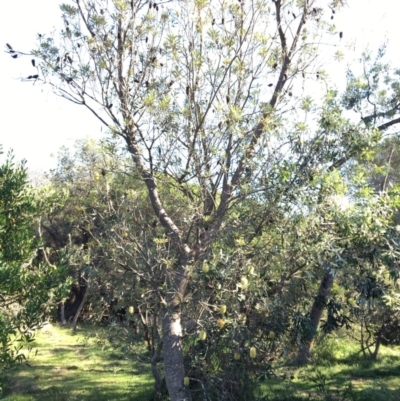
x,y
73,366
77,367
339,372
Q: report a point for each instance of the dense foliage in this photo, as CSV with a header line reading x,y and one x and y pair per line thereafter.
x,y
29,284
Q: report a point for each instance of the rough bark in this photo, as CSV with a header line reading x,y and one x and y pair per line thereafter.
x,y
172,335
304,352
173,356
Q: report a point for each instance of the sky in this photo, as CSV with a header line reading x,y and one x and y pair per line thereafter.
x,y
35,123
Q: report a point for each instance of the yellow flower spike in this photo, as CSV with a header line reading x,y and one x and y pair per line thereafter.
x,y
244,282
221,323
206,268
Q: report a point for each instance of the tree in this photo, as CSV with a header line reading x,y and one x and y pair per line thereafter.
x,y
29,283
374,95
201,92
360,240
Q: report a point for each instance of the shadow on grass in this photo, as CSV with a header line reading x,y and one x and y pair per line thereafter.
x,y
348,391
75,384
62,393
374,372
355,380
67,369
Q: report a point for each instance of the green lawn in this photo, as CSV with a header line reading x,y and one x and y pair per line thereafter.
x,y
339,373
73,366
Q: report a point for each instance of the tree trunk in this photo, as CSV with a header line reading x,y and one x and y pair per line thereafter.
x,y
304,352
62,312
378,342
80,307
172,338
173,355
377,346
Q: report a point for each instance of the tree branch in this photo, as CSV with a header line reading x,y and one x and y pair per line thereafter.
x,y
388,124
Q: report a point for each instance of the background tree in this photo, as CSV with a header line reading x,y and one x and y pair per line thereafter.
x,y
29,283
374,96
360,240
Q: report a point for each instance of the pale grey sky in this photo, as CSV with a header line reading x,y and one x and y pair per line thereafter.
x,y
35,123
